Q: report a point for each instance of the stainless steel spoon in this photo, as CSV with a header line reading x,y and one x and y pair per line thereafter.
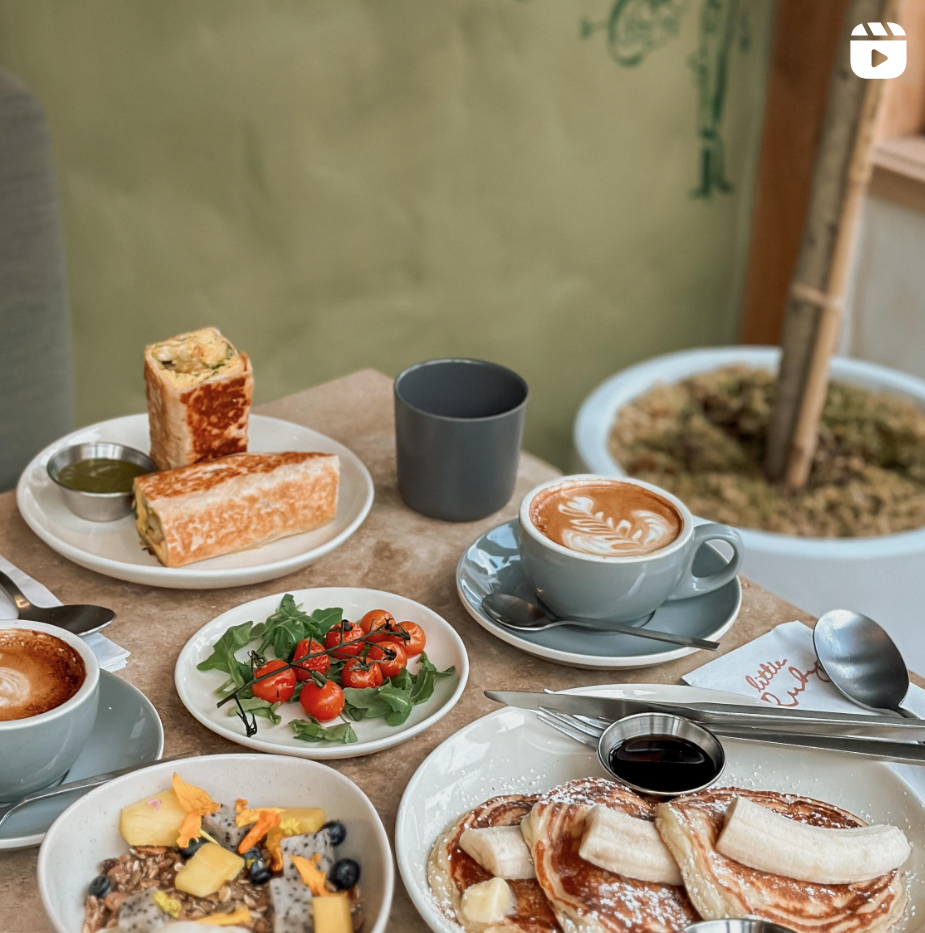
x,y
78,620
516,613
862,661
86,783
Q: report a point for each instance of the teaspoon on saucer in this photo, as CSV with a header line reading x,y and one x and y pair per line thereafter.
x,y
78,620
525,616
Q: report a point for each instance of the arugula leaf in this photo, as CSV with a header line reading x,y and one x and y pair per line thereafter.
x,y
263,708
323,620
223,651
395,699
288,625
310,730
365,703
425,679
285,628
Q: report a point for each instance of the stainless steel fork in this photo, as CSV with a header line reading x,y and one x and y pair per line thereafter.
x,y
588,731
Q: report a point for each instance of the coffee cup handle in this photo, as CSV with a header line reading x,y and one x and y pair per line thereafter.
x,y
691,585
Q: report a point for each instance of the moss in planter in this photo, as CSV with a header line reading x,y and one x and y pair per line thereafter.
x,y
704,439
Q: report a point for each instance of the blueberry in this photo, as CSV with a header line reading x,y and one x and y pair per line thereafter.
x,y
194,846
259,872
344,874
337,830
99,886
251,855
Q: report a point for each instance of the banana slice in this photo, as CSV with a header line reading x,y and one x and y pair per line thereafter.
x,y
627,846
760,838
500,850
487,902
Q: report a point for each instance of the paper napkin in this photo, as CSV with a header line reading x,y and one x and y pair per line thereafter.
x,y
781,668
110,655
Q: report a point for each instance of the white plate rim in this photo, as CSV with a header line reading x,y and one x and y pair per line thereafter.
x,y
258,761
12,843
324,752
667,692
184,577
585,661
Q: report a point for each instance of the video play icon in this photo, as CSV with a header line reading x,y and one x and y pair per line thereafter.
x,y
884,56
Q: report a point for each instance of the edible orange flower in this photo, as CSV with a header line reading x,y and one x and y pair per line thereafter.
x,y
246,815
265,822
311,873
197,804
275,836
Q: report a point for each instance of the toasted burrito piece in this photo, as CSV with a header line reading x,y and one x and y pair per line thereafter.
x,y
235,503
199,392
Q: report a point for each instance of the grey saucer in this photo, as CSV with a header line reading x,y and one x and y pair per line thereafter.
x,y
492,564
128,731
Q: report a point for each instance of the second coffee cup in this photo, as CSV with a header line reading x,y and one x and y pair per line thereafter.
x,y
49,694
615,550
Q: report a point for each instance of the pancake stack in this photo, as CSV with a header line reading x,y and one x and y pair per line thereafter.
x,y
573,895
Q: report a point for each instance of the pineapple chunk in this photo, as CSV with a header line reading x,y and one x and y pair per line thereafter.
x,y
310,819
154,821
332,914
208,870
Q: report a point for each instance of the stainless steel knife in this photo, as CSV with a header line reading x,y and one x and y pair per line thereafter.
x,y
741,716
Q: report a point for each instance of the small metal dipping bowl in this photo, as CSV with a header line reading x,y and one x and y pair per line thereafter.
x,y
748,925
97,506
652,724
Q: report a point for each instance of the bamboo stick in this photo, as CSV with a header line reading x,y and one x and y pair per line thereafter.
x,y
802,448
817,291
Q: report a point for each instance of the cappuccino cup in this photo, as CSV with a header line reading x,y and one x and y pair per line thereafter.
x,y
615,549
49,694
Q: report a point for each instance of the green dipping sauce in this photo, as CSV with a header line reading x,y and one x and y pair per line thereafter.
x,y
100,474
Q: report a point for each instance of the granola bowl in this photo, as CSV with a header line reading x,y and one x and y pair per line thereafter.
x,y
87,836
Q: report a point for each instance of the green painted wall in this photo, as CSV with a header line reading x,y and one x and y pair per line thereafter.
x,y
349,183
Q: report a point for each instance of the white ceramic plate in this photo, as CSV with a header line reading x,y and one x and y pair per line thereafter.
x,y
444,648
127,731
113,548
88,831
510,751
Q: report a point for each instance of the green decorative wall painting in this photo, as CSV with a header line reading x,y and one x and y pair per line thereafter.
x,y
636,28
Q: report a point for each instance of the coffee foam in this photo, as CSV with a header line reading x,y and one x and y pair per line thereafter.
x,y
38,673
606,519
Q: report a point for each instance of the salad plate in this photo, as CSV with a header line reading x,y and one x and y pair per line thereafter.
x,y
127,732
113,548
90,832
511,752
491,564
418,708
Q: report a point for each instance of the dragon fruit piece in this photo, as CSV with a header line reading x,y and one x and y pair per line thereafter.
x,y
141,914
222,828
292,906
307,845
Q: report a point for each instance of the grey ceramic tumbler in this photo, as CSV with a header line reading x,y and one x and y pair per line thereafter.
x,y
458,426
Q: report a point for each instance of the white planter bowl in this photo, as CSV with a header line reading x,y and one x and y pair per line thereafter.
x,y
881,576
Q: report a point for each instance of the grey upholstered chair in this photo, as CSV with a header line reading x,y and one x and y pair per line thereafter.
x,y
36,394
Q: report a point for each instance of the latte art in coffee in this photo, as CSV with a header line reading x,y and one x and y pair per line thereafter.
x,y
38,672
608,519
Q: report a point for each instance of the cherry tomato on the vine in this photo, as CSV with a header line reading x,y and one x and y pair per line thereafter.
x,y
374,620
323,703
412,641
276,689
359,674
390,658
345,637
305,647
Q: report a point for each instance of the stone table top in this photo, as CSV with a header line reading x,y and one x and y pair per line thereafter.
x,y
396,550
